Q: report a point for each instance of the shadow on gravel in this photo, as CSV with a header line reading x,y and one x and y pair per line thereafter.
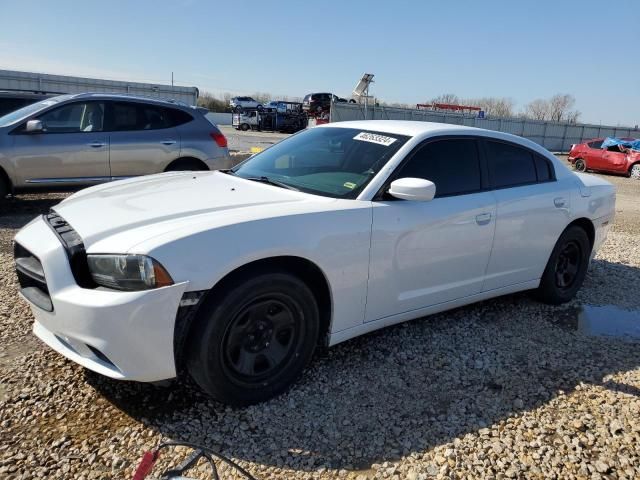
x,y
402,390
14,210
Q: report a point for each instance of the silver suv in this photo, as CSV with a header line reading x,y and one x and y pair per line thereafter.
x,y
72,141
239,104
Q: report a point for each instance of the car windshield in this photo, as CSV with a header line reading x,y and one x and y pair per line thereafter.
x,y
26,111
330,161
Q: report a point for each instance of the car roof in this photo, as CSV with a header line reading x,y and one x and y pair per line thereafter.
x,y
421,130
124,97
404,127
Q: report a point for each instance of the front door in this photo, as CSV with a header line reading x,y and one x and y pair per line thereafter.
x,y
142,140
425,253
72,149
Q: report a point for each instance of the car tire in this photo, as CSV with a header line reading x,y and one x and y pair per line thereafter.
x,y
634,171
580,165
253,338
566,268
244,127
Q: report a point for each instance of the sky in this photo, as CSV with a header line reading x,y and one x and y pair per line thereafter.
x,y
417,49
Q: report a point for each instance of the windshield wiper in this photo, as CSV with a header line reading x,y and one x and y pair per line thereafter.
x,y
270,181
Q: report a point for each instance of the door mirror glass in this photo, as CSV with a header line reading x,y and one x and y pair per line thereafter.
x,y
417,189
34,126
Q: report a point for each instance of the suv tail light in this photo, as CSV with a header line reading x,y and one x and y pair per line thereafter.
x,y
219,138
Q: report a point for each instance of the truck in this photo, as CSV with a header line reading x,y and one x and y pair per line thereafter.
x,y
277,116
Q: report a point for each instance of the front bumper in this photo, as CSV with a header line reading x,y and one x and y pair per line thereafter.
x,y
123,335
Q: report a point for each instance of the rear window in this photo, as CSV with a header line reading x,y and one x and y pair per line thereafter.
x,y
595,144
178,117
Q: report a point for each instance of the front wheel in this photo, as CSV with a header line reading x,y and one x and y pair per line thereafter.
x,y
566,268
254,338
580,165
634,171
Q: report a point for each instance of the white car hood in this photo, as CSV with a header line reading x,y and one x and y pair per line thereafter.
x,y
130,211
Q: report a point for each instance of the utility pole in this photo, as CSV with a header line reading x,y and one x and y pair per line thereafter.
x,y
171,79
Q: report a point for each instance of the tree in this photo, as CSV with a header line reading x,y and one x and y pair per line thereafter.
x,y
494,106
560,106
450,98
537,109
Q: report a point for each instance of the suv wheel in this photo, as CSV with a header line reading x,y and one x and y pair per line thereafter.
x,y
254,338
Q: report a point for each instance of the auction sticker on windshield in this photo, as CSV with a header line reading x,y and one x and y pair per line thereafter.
x,y
375,138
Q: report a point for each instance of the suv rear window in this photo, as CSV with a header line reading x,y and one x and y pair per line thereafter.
x,y
128,116
178,117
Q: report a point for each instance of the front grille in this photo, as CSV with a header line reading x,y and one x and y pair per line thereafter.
x,y
74,247
33,284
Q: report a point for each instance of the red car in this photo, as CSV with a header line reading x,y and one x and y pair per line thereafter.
x,y
590,155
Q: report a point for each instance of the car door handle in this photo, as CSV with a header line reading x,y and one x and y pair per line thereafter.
x,y
97,144
559,202
483,218
168,142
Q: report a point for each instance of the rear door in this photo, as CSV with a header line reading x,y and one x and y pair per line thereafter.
x,y
72,150
532,211
141,137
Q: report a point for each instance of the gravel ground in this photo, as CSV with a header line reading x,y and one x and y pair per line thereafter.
x,y
502,389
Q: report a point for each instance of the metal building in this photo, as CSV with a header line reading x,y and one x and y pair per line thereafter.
x,y
11,80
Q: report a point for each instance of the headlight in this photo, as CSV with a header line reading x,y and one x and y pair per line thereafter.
x,y
128,272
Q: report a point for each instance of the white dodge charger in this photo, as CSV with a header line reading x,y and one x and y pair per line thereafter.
x,y
234,277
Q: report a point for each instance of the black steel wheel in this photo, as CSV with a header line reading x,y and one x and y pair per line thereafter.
x,y
568,265
566,268
253,337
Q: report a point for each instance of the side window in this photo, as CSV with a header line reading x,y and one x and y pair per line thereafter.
x,y
597,144
74,118
509,166
125,117
178,117
543,168
153,117
453,165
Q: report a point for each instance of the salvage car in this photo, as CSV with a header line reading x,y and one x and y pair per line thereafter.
x,y
72,141
608,155
237,276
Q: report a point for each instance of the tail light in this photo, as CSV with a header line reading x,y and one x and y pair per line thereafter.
x,y
219,138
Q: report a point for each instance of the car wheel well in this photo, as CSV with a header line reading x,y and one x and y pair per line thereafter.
x,y
5,182
587,226
633,165
304,269
186,163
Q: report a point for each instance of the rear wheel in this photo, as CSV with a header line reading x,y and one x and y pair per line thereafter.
x,y
580,165
254,338
634,171
244,127
566,268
